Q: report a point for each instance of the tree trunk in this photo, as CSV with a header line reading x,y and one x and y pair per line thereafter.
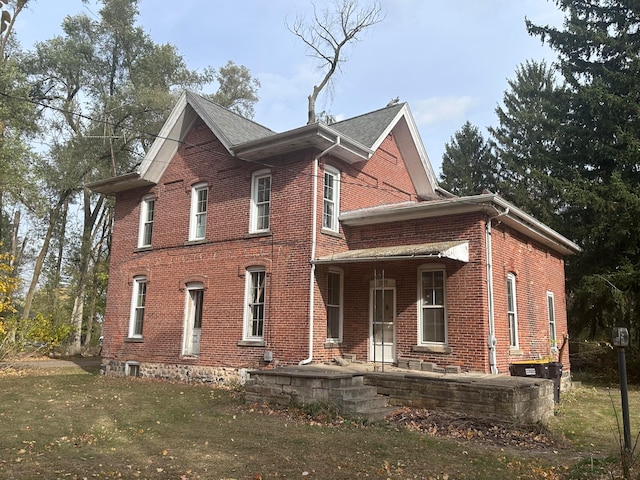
x,y
88,235
37,270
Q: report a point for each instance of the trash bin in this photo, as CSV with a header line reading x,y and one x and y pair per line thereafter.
x,y
540,369
530,369
555,374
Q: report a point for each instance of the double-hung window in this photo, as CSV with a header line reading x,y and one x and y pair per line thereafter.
x,y
138,301
260,201
512,312
198,223
433,327
551,312
334,306
147,208
254,309
193,319
331,199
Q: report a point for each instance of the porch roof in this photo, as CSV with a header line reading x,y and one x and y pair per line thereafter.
x,y
455,250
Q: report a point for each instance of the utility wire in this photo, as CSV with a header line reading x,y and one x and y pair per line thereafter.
x,y
187,144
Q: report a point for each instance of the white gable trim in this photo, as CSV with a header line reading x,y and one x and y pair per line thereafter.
x,y
407,136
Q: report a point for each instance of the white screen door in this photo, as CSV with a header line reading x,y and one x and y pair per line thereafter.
x,y
382,322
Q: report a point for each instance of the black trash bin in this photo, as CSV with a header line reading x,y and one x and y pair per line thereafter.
x,y
538,369
529,369
555,374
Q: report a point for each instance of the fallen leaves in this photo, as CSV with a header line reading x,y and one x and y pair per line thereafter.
x,y
459,426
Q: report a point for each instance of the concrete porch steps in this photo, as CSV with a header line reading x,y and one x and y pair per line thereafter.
x,y
345,391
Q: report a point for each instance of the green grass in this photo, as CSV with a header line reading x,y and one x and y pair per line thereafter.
x,y
72,424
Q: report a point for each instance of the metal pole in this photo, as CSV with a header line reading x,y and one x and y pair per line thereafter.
x,y
383,313
374,314
624,393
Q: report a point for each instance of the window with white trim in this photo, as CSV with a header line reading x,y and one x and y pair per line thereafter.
x,y
138,301
331,199
193,319
198,222
147,208
512,310
551,312
260,201
433,324
254,307
334,305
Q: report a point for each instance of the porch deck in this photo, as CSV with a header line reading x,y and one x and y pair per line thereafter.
x,y
353,387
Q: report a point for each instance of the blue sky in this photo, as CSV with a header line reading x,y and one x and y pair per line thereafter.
x,y
449,59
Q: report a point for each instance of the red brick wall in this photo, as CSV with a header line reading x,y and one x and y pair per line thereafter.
x,y
537,271
219,262
465,286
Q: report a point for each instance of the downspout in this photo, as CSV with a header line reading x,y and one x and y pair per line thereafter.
x,y
491,339
314,234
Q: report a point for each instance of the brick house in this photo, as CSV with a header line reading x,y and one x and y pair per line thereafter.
x,y
237,247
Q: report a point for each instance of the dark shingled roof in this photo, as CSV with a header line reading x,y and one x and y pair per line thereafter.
x,y
367,128
235,128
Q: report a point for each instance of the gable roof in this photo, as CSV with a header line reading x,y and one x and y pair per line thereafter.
x,y
352,140
368,128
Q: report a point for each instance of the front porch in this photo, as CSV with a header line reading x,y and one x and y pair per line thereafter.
x,y
360,390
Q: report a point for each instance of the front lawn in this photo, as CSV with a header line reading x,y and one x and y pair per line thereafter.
x,y
73,424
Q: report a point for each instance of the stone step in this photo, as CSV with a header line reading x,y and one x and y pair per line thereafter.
x,y
376,414
348,393
360,405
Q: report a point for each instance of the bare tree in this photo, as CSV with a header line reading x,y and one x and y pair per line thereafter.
x,y
327,34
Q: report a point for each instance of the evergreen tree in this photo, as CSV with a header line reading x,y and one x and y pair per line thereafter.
x,y
526,141
598,143
468,165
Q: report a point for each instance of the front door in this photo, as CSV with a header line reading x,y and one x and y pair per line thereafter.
x,y
382,317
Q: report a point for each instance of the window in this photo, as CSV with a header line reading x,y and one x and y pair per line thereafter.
x,y
331,199
147,208
334,306
138,301
193,319
260,201
199,196
256,279
433,328
552,320
512,313
132,369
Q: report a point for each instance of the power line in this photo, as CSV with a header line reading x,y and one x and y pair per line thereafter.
x,y
187,144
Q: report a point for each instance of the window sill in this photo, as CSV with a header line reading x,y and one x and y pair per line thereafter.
x,y
331,233
252,343
332,344
133,340
146,248
515,351
198,241
266,233
438,349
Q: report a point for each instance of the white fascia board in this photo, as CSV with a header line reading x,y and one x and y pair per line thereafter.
x,y
410,144
167,141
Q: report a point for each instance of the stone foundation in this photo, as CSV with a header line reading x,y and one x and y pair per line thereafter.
x,y
175,372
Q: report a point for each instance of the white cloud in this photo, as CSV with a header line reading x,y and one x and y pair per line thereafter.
x,y
435,110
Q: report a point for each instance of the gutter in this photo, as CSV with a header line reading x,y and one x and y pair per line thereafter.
x,y
491,338
314,241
